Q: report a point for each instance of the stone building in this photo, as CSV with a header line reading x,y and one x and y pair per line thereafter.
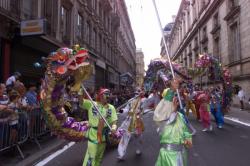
x,y
167,31
126,44
140,71
217,27
95,25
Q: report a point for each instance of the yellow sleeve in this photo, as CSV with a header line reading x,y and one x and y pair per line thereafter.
x,y
86,104
164,93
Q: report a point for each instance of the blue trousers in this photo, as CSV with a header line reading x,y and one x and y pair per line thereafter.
x,y
218,116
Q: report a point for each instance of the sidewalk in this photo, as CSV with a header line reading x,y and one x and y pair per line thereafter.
x,y
31,151
236,113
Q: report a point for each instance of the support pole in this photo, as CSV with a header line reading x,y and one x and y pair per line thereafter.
x,y
167,52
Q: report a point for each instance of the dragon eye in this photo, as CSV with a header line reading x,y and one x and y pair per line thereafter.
x,y
61,70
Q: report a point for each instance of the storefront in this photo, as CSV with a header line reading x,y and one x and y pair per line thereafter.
x,y
25,52
100,74
113,78
126,79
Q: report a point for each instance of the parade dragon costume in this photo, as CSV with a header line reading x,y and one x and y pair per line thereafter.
x,y
62,65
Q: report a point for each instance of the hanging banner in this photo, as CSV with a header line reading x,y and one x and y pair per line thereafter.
x,y
33,27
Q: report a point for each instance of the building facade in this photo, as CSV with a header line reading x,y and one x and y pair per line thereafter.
x,y
140,71
94,24
217,27
126,44
167,31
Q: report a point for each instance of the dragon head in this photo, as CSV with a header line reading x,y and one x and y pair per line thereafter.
x,y
67,62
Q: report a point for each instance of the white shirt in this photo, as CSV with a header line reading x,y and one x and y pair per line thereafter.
x,y
11,80
241,94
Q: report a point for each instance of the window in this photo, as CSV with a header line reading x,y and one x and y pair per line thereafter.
x,y
216,48
203,4
188,20
216,20
185,59
107,22
79,26
27,8
196,54
194,9
204,33
100,11
233,3
103,17
196,45
89,4
100,44
6,4
94,38
205,49
190,55
180,34
47,13
88,32
184,26
111,55
108,53
64,22
190,61
234,47
94,5
104,48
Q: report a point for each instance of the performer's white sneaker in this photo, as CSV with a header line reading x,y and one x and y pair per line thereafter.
x,y
138,152
211,128
205,129
194,132
220,127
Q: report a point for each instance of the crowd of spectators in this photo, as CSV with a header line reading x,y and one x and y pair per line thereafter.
x,y
16,102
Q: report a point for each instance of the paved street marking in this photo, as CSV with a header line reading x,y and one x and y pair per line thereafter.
x,y
54,155
237,121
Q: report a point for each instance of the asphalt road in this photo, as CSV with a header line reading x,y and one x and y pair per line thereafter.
x,y
222,147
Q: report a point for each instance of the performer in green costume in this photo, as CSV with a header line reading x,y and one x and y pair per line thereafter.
x,y
174,134
98,133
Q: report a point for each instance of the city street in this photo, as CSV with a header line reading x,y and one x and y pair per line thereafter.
x,y
67,68
221,147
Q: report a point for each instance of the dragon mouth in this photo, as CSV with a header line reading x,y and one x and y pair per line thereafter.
x,y
79,60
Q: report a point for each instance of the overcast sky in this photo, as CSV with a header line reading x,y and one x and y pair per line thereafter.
x,y
145,26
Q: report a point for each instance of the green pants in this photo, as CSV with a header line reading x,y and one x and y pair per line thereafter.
x,y
171,158
94,154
